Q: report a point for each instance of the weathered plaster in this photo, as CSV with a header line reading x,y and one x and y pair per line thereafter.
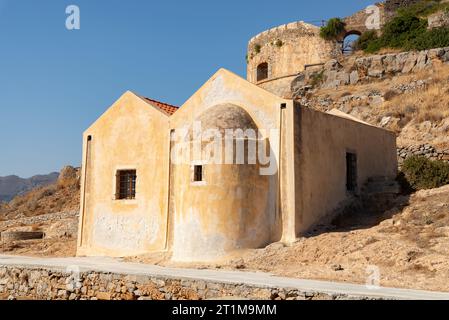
x,y
235,207
131,134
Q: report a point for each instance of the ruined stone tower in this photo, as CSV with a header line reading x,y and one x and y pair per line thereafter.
x,y
277,55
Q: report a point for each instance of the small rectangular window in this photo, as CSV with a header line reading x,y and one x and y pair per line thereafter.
x,y
197,173
351,172
126,184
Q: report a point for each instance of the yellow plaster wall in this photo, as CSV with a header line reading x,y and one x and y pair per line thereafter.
x,y
236,208
321,143
226,87
130,135
230,210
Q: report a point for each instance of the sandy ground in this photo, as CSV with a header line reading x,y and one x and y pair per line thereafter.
x,y
40,248
59,241
409,246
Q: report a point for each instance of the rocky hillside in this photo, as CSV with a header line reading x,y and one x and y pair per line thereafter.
x,y
60,196
51,209
11,186
405,92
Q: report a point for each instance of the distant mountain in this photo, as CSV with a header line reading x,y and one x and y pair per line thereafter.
x,y
11,186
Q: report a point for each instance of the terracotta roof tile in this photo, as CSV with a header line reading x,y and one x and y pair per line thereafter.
x,y
165,107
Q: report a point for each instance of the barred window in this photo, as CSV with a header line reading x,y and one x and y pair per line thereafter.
x,y
126,184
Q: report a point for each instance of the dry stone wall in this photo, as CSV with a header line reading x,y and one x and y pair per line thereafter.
x,y
425,150
46,284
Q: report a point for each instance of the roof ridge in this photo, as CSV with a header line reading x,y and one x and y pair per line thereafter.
x,y
167,104
167,108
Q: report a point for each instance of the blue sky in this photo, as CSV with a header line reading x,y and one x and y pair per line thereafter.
x,y
54,82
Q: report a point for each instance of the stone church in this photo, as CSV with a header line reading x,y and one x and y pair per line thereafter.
x,y
298,166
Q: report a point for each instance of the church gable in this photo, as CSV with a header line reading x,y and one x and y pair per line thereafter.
x,y
227,87
131,105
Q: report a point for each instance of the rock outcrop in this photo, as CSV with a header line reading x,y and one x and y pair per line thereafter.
x,y
361,70
438,20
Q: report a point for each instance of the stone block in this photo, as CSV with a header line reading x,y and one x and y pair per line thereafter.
x,y
421,61
436,53
410,63
104,296
354,77
445,57
376,73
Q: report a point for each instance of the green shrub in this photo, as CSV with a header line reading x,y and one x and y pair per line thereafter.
x,y
401,31
374,46
422,173
408,30
434,38
334,28
365,39
257,48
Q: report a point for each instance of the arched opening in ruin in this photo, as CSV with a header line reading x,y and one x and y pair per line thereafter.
x,y
262,71
349,42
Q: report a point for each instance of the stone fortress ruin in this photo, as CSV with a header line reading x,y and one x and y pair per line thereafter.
x,y
282,56
137,199
276,57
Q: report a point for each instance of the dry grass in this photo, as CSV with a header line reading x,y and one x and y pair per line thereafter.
x,y
386,51
419,115
429,104
360,53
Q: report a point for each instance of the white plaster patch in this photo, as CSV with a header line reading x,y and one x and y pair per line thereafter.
x,y
192,244
124,232
219,93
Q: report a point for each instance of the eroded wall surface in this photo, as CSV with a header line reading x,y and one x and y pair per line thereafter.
x,y
287,49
